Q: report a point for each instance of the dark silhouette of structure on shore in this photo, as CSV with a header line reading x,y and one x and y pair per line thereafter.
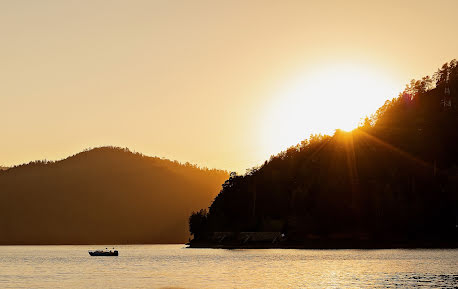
x,y
391,182
103,196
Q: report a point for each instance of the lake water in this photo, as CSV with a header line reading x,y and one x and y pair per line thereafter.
x,y
174,266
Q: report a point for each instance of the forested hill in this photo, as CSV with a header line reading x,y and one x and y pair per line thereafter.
x,y
391,182
105,195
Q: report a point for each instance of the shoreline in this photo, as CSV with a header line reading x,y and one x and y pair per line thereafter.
x,y
325,245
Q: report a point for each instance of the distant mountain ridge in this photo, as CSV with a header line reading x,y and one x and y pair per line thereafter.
x,y
103,195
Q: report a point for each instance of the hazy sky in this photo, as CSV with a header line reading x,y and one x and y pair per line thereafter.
x,y
201,81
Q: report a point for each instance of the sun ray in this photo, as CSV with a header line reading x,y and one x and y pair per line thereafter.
x,y
395,149
351,164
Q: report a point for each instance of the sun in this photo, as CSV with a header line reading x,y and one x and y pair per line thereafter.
x,y
335,97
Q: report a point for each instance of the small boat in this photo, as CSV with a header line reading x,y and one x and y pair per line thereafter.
x,y
105,252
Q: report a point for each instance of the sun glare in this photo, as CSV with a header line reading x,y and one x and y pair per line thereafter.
x,y
336,97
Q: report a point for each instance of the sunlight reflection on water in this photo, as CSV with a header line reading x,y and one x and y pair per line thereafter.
x,y
173,266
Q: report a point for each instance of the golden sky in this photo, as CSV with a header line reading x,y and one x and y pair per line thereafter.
x,y
218,83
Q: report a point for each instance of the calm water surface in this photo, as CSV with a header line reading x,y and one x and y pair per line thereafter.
x,y
173,266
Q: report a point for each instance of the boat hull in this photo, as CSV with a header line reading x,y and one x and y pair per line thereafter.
x,y
115,253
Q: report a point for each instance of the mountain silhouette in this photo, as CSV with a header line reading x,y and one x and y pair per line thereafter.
x,y
391,182
105,195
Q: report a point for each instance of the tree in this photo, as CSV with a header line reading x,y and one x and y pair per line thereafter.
x,y
197,223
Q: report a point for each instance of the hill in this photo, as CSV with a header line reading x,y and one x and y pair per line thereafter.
x,y
393,182
105,195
